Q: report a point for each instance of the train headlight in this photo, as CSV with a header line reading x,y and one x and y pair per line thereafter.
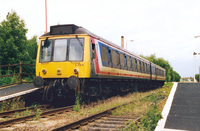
x,y
76,71
38,81
44,71
59,71
73,82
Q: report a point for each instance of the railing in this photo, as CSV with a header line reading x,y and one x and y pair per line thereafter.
x,y
16,74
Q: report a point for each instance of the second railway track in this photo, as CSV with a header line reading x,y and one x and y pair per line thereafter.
x,y
44,113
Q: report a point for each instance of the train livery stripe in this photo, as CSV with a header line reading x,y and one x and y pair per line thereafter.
x,y
99,68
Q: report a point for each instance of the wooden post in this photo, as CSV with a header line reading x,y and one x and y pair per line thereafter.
x,y
20,73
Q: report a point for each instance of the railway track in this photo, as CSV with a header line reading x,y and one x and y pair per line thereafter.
x,y
44,113
109,123
101,120
7,114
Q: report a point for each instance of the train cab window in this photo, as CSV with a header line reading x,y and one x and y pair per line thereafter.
x,y
60,50
114,58
76,49
46,51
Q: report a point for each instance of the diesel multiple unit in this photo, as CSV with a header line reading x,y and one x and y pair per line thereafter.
x,y
71,59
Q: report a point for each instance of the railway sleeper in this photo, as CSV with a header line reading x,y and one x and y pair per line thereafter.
x,y
108,123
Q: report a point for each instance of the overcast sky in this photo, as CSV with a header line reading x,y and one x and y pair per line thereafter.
x,y
162,27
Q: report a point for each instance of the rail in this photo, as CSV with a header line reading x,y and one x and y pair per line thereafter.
x,y
16,74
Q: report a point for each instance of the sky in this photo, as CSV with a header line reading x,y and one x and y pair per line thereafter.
x,y
165,28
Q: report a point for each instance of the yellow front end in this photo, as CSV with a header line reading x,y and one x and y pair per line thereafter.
x,y
55,68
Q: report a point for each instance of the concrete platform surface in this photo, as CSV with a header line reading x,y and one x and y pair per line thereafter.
x,y
16,90
184,109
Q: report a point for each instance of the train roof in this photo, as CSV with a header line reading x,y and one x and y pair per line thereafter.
x,y
69,29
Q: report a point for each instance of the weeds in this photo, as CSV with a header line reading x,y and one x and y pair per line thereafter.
x,y
77,105
153,115
38,113
11,104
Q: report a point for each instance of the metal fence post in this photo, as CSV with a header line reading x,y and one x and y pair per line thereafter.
x,y
20,73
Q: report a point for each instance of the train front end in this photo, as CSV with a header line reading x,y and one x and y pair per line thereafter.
x,y
63,61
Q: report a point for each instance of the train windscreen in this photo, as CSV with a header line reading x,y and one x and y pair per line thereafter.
x,y
70,49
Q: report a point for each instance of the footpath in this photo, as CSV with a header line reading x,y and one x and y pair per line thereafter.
x,y
182,109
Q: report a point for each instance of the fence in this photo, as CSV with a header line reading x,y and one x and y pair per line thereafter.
x,y
16,74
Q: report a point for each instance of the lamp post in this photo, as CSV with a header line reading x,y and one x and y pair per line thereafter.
x,y
46,14
195,66
195,61
128,41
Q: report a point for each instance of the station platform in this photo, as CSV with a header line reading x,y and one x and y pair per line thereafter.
x,y
16,90
182,109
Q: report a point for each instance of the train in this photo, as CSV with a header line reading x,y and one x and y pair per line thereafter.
x,y
71,59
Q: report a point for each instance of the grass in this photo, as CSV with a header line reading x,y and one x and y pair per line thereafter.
x,y
152,112
138,107
11,104
145,103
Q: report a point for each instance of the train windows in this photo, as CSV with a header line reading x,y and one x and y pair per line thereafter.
x,y
122,59
125,62
142,67
76,49
145,67
118,59
128,62
109,56
134,64
104,55
46,51
114,58
138,66
60,50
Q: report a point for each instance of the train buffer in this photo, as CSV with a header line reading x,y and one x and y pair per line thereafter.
x,y
182,109
16,90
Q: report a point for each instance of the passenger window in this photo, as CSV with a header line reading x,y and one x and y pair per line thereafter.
x,y
138,65
118,59
104,54
122,59
109,56
114,58
128,62
142,67
125,60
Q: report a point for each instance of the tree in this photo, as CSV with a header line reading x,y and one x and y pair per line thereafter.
x,y
197,77
12,39
14,46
